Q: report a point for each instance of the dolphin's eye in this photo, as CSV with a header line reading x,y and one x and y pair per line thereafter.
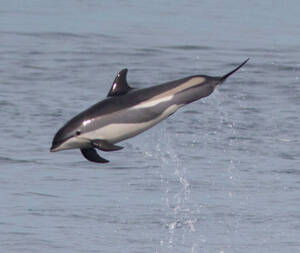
x,y
78,132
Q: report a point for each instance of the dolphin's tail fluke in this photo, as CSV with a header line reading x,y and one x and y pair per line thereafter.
x,y
92,155
223,78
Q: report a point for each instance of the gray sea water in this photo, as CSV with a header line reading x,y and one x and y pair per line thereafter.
x,y
221,175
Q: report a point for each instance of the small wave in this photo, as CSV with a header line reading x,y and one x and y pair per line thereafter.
x,y
36,194
43,194
6,103
273,67
188,47
61,35
261,50
47,34
20,233
151,51
191,112
287,156
34,67
288,171
11,160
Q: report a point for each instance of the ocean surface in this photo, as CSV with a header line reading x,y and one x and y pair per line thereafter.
x,y
221,175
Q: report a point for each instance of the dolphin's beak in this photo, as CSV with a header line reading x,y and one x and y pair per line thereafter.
x,y
63,144
56,143
59,139
54,148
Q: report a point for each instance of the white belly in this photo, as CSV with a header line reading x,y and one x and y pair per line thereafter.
x,y
117,132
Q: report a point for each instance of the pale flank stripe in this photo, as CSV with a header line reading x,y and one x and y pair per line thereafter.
x,y
188,84
151,103
170,93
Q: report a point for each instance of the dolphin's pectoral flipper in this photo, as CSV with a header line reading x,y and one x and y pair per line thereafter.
x,y
92,155
105,145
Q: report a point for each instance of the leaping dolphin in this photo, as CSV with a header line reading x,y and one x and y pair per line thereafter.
x,y
127,112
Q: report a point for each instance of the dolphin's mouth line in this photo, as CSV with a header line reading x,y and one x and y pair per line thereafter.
x,y
55,146
52,149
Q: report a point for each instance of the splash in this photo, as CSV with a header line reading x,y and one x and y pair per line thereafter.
x,y
178,220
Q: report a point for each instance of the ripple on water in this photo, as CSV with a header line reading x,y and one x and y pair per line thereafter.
x,y
13,160
189,47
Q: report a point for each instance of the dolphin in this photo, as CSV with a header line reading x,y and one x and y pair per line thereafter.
x,y
127,112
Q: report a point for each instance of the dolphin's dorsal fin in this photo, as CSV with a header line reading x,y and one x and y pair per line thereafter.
x,y
120,85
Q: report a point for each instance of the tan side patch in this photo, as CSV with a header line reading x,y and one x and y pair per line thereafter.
x,y
152,102
188,84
